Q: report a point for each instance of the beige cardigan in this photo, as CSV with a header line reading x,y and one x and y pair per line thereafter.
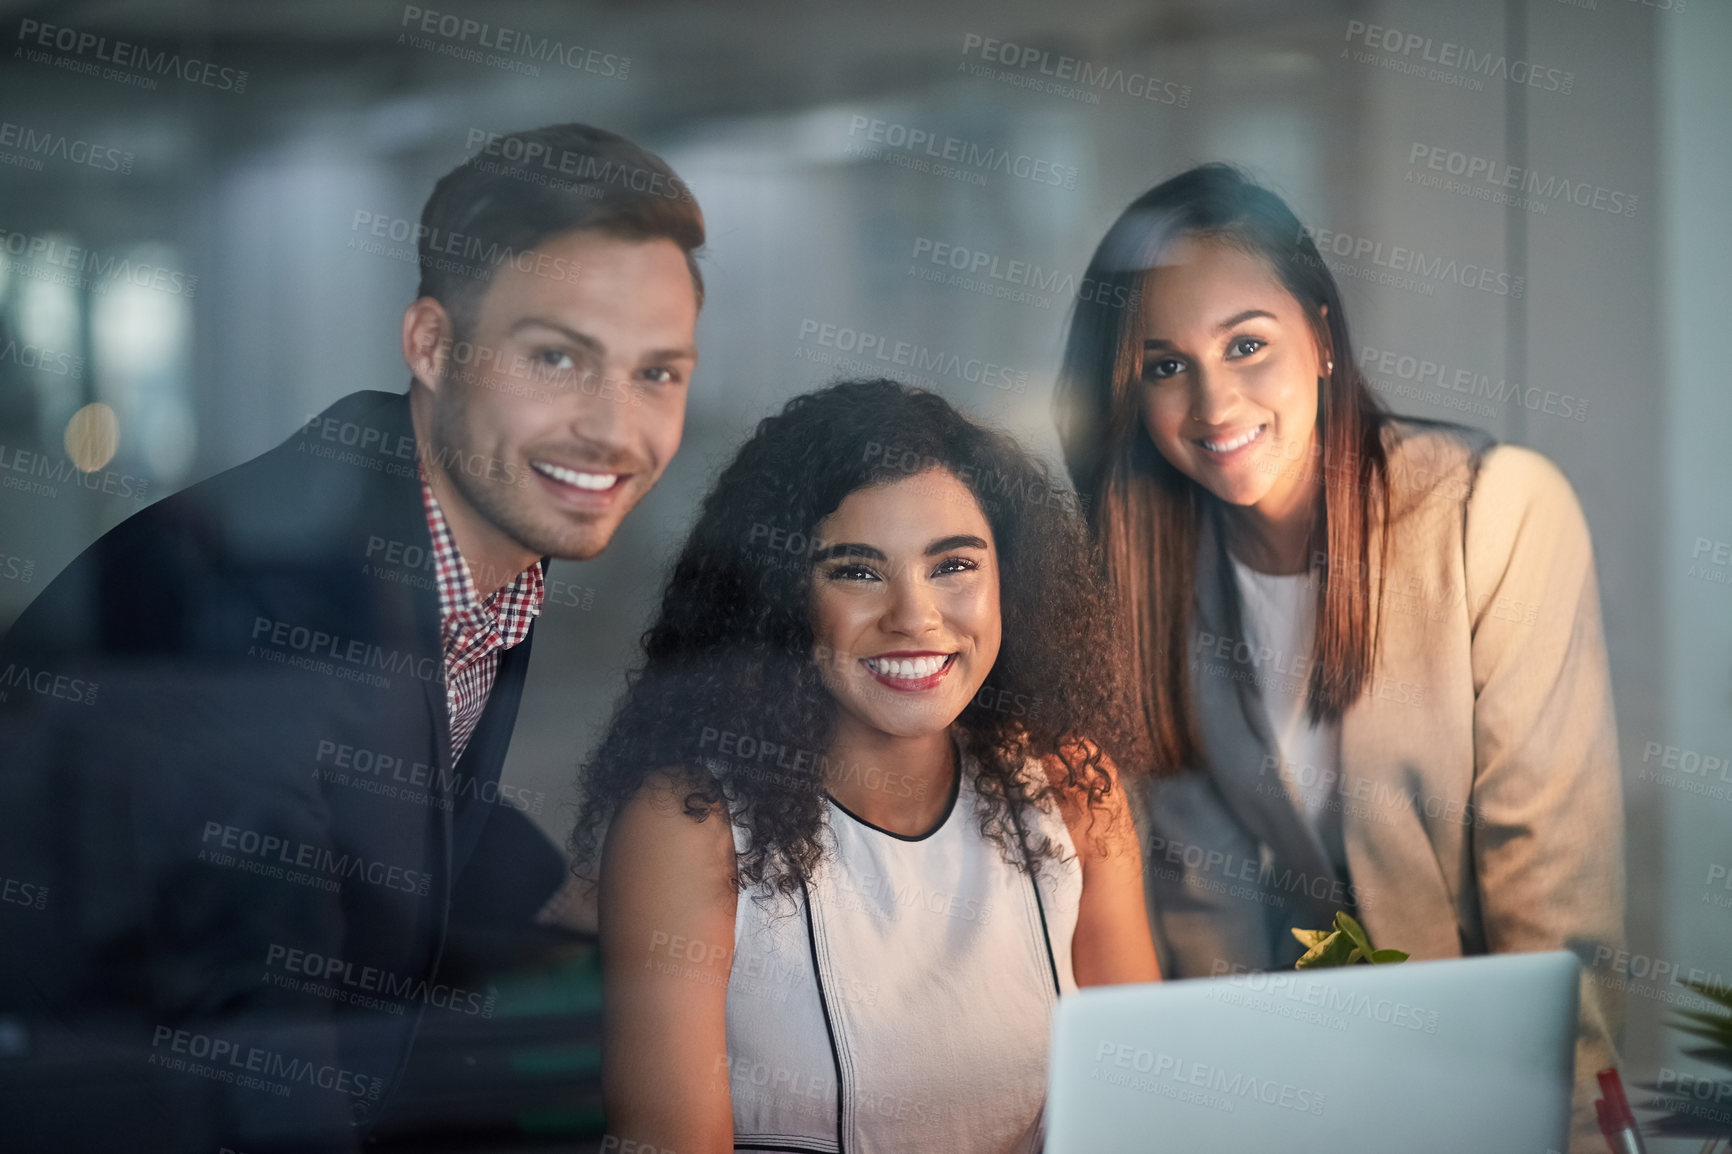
x,y
1480,800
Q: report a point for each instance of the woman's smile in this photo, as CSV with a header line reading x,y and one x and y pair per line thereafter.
x,y
909,672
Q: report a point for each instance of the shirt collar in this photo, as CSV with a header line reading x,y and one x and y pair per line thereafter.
x,y
457,593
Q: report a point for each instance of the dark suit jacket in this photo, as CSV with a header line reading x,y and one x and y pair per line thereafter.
x,y
228,784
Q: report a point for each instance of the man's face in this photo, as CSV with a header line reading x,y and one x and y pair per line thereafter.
x,y
560,407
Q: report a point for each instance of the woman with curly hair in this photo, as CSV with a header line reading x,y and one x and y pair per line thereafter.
x,y
857,822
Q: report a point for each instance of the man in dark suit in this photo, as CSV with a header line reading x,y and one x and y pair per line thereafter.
x,y
253,736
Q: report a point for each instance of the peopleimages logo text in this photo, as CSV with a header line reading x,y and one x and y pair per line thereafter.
x,y
514,42
59,146
125,54
1446,54
883,347
317,642
50,258
300,855
955,150
1101,77
978,266
1499,174
1428,266
170,1047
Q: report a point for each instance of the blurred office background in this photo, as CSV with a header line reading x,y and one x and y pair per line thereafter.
x,y
789,122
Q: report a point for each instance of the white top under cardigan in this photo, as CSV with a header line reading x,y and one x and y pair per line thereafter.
x,y
1279,620
922,983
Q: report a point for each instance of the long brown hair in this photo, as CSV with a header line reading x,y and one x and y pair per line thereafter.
x,y
1148,515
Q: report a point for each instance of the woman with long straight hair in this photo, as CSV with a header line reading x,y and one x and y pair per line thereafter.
x,y
856,819
1368,652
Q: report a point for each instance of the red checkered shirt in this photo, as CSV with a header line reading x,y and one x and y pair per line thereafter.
x,y
474,632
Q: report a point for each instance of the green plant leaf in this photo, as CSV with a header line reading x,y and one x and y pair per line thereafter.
x,y
1338,949
1313,957
1715,1055
1704,1018
1387,956
1331,951
1714,993
1310,938
1688,1117
1347,925
1355,956
1716,1028
1720,1034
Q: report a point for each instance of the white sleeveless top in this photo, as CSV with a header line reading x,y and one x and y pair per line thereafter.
x,y
921,985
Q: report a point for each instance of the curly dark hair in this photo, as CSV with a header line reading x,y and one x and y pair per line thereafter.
x,y
729,703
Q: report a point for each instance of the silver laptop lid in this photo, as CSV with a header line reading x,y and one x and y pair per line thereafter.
x,y
1466,1054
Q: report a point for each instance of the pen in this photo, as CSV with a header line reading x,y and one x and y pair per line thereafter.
x,y
1616,1121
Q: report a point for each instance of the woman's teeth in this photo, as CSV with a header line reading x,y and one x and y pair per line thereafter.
x,y
560,473
1240,441
906,668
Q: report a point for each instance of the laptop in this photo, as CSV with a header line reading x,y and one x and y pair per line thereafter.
x,y
1423,1057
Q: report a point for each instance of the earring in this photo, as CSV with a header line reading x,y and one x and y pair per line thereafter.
x,y
1331,367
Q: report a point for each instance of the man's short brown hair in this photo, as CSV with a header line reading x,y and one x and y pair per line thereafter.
x,y
521,188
